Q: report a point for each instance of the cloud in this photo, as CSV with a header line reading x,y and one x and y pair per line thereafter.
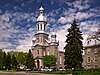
x,y
62,20
82,15
18,28
81,5
12,29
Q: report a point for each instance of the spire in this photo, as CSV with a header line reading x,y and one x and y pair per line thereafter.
x,y
41,8
41,16
41,21
53,33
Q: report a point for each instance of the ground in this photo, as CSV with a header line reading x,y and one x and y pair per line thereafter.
x,y
22,73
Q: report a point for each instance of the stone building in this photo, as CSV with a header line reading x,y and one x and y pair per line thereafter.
x,y
42,45
91,58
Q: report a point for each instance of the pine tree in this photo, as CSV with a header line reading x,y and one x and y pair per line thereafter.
x,y
30,60
73,47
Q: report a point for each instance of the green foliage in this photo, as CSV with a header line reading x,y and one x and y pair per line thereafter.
x,y
4,60
21,58
8,61
30,60
49,60
87,71
73,47
1,59
14,62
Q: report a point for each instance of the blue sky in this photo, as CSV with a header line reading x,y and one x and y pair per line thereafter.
x,y
18,20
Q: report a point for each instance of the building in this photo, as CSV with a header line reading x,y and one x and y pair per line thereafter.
x,y
91,58
42,45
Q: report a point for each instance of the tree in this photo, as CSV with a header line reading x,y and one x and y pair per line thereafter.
x,y
30,60
49,60
4,61
73,47
21,58
14,62
1,59
8,61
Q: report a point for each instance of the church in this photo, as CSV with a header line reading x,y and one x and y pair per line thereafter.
x,y
43,45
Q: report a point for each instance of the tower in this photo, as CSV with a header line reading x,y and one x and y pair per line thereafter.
x,y
42,45
41,21
40,39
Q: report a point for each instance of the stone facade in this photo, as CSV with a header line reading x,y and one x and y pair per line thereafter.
x,y
92,56
92,51
42,45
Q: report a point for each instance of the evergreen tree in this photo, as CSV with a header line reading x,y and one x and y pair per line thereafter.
x,y
14,62
8,61
30,61
73,47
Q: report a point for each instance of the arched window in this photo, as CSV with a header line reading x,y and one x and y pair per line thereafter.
x,y
38,26
89,59
88,51
38,52
44,27
41,26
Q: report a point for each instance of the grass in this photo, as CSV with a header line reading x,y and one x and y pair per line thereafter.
x,y
8,70
88,72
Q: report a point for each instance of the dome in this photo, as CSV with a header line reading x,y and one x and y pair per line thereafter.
x,y
41,9
41,18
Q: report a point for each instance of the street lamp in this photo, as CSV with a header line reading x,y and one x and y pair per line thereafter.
x,y
72,71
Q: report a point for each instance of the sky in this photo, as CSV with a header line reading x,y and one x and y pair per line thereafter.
x,y
18,20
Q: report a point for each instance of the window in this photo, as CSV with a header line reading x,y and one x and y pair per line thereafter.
x,y
44,53
38,52
38,26
60,60
44,27
95,50
48,52
41,26
89,60
37,39
88,51
95,58
95,66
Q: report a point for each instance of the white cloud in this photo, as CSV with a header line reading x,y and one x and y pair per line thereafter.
x,y
62,20
82,15
81,5
4,45
9,30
